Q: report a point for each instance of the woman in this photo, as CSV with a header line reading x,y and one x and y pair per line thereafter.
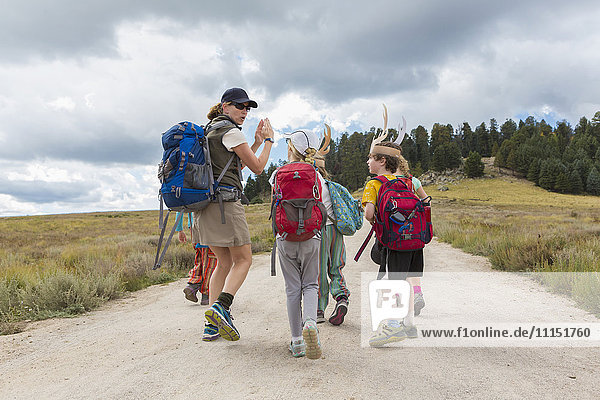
x,y
230,241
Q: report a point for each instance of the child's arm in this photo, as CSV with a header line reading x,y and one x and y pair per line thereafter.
x,y
421,193
179,228
370,212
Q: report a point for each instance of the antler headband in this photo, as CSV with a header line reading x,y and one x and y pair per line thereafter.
x,y
376,148
319,159
326,147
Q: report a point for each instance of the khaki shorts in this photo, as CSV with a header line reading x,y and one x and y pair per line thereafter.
x,y
212,232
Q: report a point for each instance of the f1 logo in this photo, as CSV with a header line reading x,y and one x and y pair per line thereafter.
x,y
388,300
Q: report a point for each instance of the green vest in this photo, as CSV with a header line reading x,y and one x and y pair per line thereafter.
x,y
219,155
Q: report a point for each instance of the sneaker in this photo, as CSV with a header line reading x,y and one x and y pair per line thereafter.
x,y
190,293
211,333
388,334
419,303
219,316
297,348
310,333
411,331
320,316
204,300
341,308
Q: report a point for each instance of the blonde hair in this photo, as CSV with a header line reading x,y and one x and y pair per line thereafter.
x,y
403,166
312,157
320,163
215,111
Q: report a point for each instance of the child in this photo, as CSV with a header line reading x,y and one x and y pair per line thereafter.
x,y
204,264
332,260
299,260
384,160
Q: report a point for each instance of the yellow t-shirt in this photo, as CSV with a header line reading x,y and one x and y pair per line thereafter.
x,y
372,188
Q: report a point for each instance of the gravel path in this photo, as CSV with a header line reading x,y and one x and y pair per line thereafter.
x,y
147,346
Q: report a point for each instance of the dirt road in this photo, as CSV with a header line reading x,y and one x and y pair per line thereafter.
x,y
148,346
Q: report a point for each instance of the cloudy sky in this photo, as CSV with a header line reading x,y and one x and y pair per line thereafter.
x,y
87,87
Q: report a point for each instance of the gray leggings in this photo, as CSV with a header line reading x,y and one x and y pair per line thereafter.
x,y
299,263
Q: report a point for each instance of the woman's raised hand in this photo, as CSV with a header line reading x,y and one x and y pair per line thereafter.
x,y
257,135
267,129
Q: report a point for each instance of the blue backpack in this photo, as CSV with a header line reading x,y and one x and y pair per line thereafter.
x,y
186,174
348,211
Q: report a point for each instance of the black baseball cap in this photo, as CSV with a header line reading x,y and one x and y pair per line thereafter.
x,y
237,95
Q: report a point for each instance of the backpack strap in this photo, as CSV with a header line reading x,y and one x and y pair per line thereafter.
x,y
380,178
158,260
362,247
215,184
273,272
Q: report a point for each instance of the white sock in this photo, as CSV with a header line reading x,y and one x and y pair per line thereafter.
x,y
409,320
295,339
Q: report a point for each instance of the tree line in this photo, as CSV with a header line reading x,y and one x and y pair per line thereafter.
x,y
560,158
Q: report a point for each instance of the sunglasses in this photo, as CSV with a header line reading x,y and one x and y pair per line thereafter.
x,y
240,106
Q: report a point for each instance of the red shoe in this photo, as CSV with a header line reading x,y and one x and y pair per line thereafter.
x,y
340,311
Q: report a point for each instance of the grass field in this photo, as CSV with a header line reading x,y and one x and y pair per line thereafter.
x,y
521,227
62,265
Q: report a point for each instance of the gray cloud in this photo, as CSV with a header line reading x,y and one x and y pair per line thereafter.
x,y
138,64
99,142
47,192
335,50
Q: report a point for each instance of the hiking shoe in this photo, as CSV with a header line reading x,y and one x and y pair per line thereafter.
x,y
297,348
310,333
388,334
320,316
190,293
341,309
219,316
204,300
211,333
419,303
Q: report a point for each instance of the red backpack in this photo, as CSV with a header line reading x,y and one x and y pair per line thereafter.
x,y
402,220
297,210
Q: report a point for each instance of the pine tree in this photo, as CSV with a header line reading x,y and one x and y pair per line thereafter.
x,y
495,149
422,145
494,135
533,174
563,134
440,135
501,159
251,190
467,138
446,156
482,140
508,129
576,182
562,183
549,171
593,182
473,165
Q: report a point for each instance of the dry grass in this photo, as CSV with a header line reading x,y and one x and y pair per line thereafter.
x,y
521,227
60,265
